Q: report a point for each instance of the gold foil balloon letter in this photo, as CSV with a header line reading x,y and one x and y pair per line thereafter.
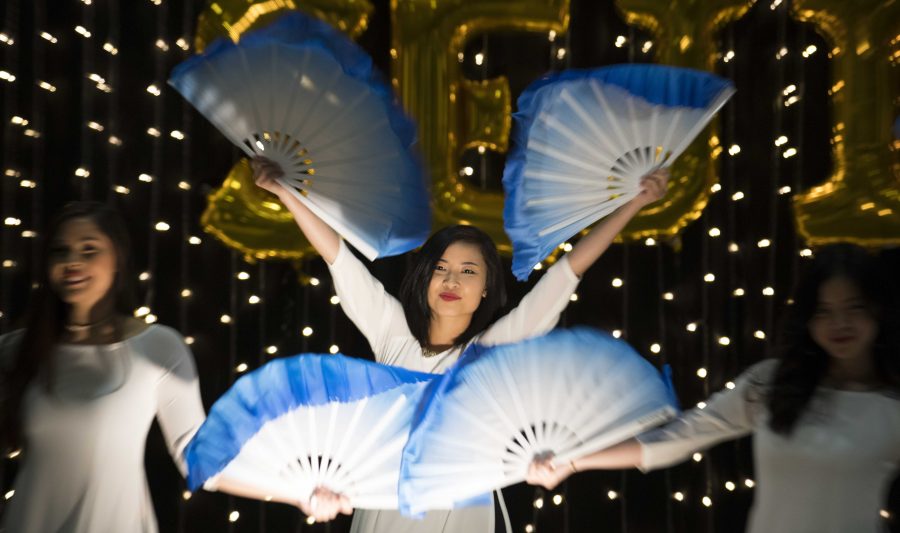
x,y
860,202
453,113
683,33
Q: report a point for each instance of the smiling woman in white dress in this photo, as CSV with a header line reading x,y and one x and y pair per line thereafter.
x,y
825,416
82,383
449,298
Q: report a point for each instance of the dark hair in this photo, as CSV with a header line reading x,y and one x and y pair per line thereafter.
x,y
414,289
47,312
803,363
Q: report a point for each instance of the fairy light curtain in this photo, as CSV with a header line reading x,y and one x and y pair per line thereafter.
x,y
86,114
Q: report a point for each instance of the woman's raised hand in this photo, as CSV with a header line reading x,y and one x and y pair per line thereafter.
x,y
265,173
324,505
542,472
653,187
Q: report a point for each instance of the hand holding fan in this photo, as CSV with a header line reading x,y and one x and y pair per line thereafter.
x,y
584,139
311,421
481,424
307,98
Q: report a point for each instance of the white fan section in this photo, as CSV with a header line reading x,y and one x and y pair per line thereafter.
x,y
351,448
511,409
591,144
298,108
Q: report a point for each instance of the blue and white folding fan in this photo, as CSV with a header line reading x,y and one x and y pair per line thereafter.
x,y
307,421
583,140
304,96
570,392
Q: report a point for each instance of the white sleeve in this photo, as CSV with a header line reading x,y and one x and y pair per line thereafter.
x,y
539,310
377,314
729,414
179,409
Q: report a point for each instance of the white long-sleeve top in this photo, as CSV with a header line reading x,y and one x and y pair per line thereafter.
x,y
380,318
831,475
82,467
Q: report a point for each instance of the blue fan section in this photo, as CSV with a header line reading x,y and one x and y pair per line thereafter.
x,y
300,30
661,85
582,346
412,222
277,388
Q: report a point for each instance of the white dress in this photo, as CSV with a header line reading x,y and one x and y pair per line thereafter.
x,y
831,475
82,466
380,318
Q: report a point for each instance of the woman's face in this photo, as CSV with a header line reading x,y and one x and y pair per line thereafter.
x,y
458,281
82,264
844,323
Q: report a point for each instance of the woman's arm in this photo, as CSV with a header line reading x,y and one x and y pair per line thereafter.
x,y
324,239
624,455
596,242
323,505
729,414
377,314
539,310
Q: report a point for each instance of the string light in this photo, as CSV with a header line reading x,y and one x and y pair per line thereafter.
x,y
612,495
306,331
6,39
243,276
620,41
691,327
730,486
724,341
649,242
733,247
617,333
479,59
768,291
729,385
709,277
759,334
241,368
233,516
333,349
784,190
697,457
738,292
539,503
714,232
253,299
729,55
47,86
737,196
617,282
749,483
707,501
81,30
702,373
655,348
678,496
194,240
110,48
144,276
47,37
763,243
154,90
146,178
225,319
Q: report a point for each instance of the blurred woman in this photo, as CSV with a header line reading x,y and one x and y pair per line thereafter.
x,y
825,416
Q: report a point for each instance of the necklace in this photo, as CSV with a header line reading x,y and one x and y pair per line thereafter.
x,y
431,352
